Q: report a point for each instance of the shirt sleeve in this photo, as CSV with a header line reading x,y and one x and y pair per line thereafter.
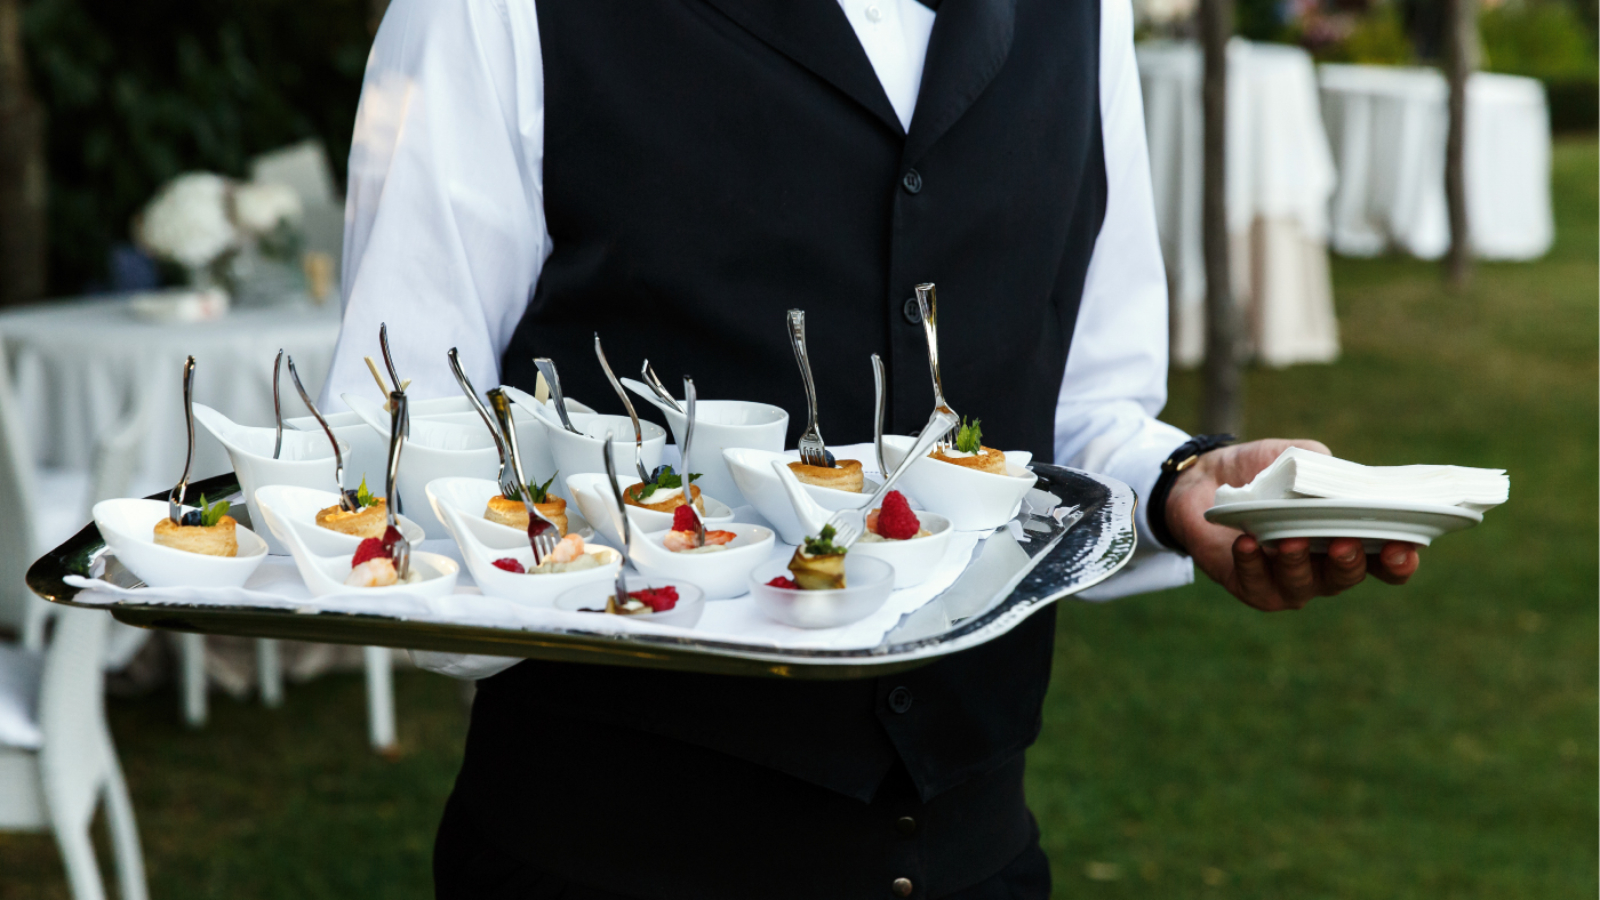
x,y
444,219
1116,376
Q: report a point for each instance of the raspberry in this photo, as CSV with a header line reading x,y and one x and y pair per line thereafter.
x,y
371,548
683,519
896,521
782,582
391,537
510,565
658,599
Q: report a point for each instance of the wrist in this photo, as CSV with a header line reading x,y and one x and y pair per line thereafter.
x,y
1186,467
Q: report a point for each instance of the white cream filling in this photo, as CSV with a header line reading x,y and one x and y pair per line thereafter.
x,y
582,563
661,495
709,548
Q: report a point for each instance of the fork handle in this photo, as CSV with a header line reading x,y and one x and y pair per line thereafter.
x,y
928,307
797,338
397,437
938,424
175,499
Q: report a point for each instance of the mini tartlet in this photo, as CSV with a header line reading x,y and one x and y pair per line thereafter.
x,y
817,564
970,453
208,531
511,511
846,476
663,494
368,521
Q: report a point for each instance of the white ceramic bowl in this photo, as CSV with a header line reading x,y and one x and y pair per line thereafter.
x,y
297,508
752,472
535,446
482,542
599,507
722,574
369,452
719,425
578,454
128,528
971,500
691,600
306,460
868,584
437,448
913,559
470,497
325,576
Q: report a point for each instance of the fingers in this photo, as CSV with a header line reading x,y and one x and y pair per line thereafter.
x,y
1345,567
1252,577
1308,444
1396,563
1293,573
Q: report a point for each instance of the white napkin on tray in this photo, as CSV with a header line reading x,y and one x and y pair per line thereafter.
x,y
1298,473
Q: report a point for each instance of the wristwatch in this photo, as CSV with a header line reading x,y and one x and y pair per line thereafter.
x,y
1181,458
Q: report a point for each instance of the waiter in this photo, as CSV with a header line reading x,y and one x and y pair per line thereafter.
x,y
675,174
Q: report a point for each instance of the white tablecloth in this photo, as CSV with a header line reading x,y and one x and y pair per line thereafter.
x,y
1388,127
82,368
1280,176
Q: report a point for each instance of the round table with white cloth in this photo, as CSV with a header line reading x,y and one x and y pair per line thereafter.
x,y
1388,127
1279,177
83,370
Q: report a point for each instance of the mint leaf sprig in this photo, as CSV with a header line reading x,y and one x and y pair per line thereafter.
x,y
212,513
970,438
666,481
822,544
540,492
364,497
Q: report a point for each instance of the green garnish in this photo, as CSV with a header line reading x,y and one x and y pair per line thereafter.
x,y
540,492
667,481
364,497
970,438
822,544
212,513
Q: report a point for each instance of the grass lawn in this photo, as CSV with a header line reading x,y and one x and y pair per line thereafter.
x,y
1437,741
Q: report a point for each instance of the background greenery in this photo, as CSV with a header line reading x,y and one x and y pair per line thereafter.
x,y
1436,741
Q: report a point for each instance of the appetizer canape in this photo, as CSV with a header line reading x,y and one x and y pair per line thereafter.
x,y
664,493
209,531
817,564
368,521
505,509
681,539
970,453
644,601
571,555
373,562
845,476
894,521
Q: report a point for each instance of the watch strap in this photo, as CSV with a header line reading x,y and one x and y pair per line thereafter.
x,y
1182,458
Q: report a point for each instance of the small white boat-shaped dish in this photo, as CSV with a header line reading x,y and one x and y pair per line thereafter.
x,y
128,528
1375,522
599,507
470,497
722,574
719,425
306,459
753,473
686,614
324,574
297,508
435,449
868,584
971,500
482,542
578,454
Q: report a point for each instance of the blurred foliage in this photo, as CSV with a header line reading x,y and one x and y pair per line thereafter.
x,y
140,92
1378,38
1548,41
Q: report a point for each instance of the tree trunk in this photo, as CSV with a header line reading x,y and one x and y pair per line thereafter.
x,y
1461,52
22,170
1222,406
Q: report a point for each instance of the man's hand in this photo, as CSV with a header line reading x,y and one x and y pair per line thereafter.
x,y
1287,574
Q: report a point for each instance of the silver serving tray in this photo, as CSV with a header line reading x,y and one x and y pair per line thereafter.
x,y
1007,580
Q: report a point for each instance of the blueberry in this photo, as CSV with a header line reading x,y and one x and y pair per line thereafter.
x,y
655,475
832,463
192,517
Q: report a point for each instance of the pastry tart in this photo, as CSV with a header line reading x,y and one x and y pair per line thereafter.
x,y
987,459
221,539
818,563
513,513
367,522
846,476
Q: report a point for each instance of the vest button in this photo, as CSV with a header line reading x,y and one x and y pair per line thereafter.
x,y
912,311
901,887
906,825
900,699
912,181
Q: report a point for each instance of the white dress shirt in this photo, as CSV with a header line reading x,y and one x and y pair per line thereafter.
x,y
445,230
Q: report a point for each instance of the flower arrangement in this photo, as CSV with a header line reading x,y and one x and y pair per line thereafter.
x,y
215,227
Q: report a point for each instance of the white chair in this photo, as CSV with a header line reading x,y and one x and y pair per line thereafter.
x,y
56,757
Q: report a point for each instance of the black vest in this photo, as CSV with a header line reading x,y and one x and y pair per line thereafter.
x,y
710,164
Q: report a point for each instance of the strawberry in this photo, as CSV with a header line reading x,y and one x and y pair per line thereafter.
x,y
896,521
782,582
371,548
683,519
509,565
658,599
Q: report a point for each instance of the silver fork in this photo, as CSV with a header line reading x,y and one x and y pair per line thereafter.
x,y
400,547
880,404
277,405
688,441
654,383
175,499
508,485
812,451
543,534
388,363
638,429
928,306
347,499
850,524
624,528
547,368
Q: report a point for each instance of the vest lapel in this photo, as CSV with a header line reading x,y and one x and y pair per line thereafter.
x,y
816,34
970,42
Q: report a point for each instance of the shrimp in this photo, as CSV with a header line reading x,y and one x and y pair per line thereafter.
x,y
679,541
570,548
375,572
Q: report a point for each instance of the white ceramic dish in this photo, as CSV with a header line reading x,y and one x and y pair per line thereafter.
x,y
128,527
753,473
691,600
971,500
868,584
1374,522
297,508
437,448
599,507
324,574
719,425
306,460
579,454
369,452
536,453
722,574
470,497
482,542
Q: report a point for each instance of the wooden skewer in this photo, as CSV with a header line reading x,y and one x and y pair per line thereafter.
x,y
383,386
541,389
